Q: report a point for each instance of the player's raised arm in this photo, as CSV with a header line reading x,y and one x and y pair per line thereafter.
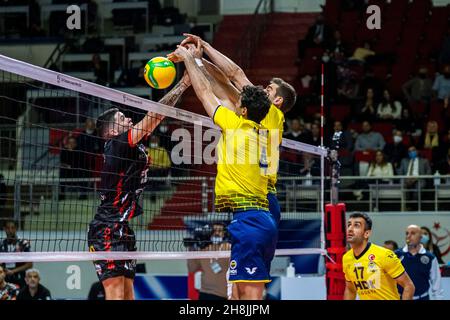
x,y
152,120
200,83
350,291
228,66
408,286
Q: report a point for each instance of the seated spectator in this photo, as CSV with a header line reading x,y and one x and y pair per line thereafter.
x,y
428,243
369,140
391,245
432,140
346,141
419,88
413,167
318,36
298,132
315,134
15,272
367,109
409,124
8,291
337,48
380,167
389,109
362,53
33,290
396,151
441,86
371,81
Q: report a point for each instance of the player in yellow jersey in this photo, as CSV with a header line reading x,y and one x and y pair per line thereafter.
x,y
241,182
371,271
281,94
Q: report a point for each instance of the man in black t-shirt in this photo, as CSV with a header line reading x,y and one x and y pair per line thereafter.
x,y
33,290
123,178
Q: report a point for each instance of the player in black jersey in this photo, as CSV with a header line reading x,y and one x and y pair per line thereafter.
x,y
123,178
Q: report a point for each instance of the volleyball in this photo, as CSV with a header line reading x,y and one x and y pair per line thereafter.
x,y
159,72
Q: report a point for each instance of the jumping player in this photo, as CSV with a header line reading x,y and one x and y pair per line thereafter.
x,y
124,174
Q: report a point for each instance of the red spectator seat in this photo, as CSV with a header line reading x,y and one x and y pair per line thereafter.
x,y
418,108
384,128
311,110
366,156
426,153
340,112
331,11
396,9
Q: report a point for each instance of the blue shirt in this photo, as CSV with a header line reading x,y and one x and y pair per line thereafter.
x,y
442,86
423,269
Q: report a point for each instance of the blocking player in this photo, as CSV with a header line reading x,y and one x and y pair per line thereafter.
x,y
124,174
371,271
241,184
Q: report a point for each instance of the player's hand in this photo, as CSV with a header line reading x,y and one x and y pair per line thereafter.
x,y
179,54
192,38
195,50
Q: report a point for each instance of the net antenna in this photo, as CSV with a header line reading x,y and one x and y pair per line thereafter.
x,y
333,154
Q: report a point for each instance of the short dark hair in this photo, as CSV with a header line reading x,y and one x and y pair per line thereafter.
x,y
104,120
393,243
366,218
255,99
287,92
14,222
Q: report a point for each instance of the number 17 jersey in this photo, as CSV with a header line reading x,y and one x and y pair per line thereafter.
x,y
373,272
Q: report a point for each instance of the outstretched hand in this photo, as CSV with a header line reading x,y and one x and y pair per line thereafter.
x,y
192,38
179,54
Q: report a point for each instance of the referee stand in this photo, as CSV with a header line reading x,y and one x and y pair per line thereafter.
x,y
335,229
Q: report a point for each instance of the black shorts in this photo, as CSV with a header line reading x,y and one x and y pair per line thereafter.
x,y
107,236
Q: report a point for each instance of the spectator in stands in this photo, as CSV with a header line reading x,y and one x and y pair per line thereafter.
x,y
380,167
15,272
413,167
346,141
367,109
389,109
428,243
318,36
432,141
34,290
369,140
391,245
441,86
99,69
8,291
408,124
419,88
214,278
421,265
396,150
337,47
298,132
315,134
97,292
71,160
370,81
3,193
362,53
444,165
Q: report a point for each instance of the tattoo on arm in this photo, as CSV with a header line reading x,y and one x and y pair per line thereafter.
x,y
172,98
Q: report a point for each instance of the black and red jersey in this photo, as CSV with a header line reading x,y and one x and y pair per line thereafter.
x,y
124,175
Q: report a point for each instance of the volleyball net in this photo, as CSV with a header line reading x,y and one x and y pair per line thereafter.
x,y
51,161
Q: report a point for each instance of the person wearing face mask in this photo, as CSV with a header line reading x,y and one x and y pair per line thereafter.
x,y
418,89
214,284
441,86
421,266
396,150
413,167
427,241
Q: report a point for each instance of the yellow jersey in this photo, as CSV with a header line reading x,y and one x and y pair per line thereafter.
x,y
373,272
274,121
241,181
